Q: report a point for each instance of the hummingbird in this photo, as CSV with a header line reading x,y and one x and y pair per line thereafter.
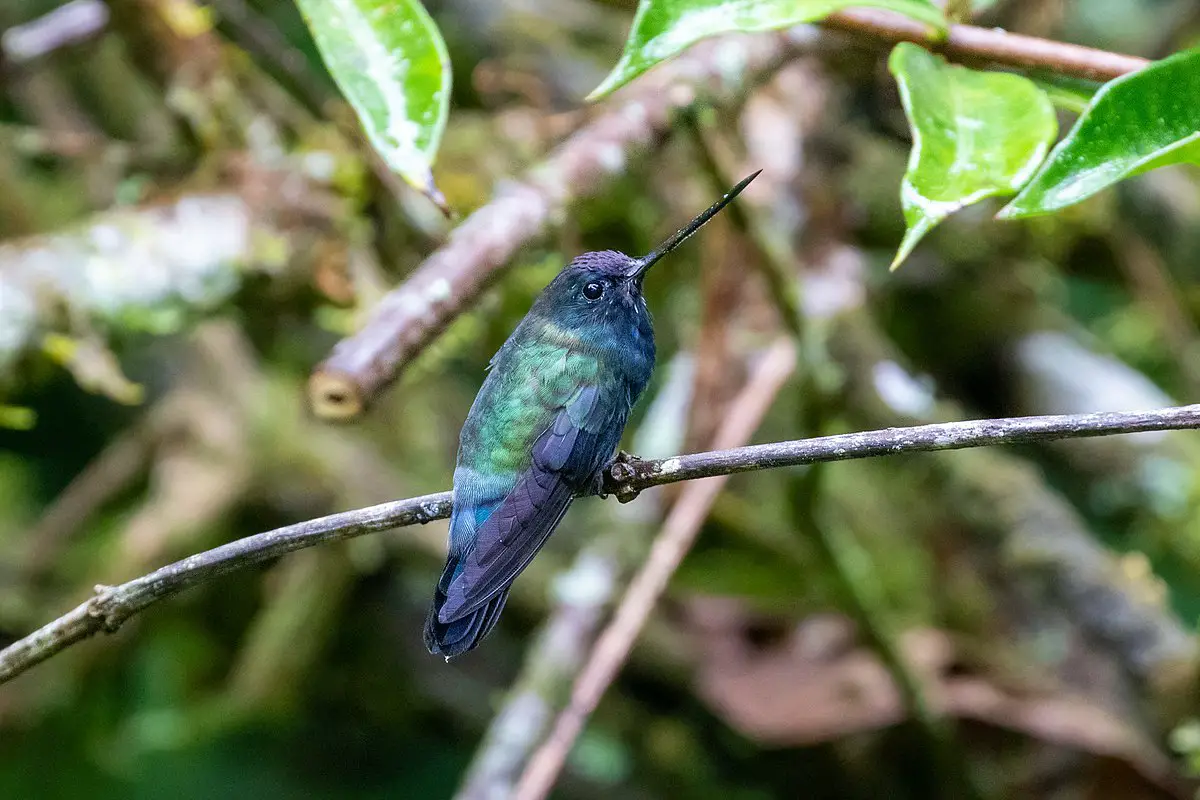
x,y
543,426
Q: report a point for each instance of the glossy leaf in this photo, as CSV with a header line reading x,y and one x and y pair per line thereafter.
x,y
1136,123
390,62
665,28
975,135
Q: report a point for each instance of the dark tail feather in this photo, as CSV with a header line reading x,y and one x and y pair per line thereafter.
x,y
458,636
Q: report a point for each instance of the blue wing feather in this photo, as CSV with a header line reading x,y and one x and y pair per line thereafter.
x,y
565,458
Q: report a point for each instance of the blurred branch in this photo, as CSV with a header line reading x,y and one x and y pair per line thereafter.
x,y
670,546
411,315
776,262
989,44
852,575
549,668
602,570
258,35
68,24
147,268
1050,569
111,606
35,141
124,262
118,465
1158,291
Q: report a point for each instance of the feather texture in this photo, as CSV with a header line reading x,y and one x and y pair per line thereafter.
x,y
546,420
564,458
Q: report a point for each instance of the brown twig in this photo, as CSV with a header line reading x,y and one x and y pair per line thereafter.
x,y
989,44
779,264
553,659
672,544
561,650
410,316
111,606
70,23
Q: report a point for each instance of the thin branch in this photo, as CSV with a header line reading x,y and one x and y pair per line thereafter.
x,y
450,279
673,542
834,546
636,475
617,640
989,44
111,606
554,662
70,23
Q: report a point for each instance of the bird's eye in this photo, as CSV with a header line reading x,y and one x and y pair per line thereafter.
x,y
593,290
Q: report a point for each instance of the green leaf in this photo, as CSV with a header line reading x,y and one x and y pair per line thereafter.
x,y
390,62
1136,123
975,135
665,28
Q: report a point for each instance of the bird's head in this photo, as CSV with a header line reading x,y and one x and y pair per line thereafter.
x,y
604,287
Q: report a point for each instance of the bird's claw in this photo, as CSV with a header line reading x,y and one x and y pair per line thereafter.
x,y
613,479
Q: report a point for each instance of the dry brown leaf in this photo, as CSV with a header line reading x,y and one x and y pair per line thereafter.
x,y
819,685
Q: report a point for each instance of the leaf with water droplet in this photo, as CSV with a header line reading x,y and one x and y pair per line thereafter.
x,y
664,28
975,135
1136,123
390,62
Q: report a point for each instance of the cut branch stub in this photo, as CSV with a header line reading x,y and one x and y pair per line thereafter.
x,y
335,396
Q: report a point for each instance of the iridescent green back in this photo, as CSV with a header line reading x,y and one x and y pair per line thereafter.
x,y
534,376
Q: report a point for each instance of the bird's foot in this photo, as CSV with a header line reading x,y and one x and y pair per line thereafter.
x,y
614,478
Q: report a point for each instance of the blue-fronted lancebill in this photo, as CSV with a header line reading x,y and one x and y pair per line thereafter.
x,y
544,425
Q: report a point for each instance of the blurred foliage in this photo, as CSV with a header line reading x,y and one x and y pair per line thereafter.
x,y
1011,582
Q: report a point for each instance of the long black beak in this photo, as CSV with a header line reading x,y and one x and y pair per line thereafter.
x,y
642,265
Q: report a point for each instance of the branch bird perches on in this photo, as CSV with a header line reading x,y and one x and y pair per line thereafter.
x,y
110,606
